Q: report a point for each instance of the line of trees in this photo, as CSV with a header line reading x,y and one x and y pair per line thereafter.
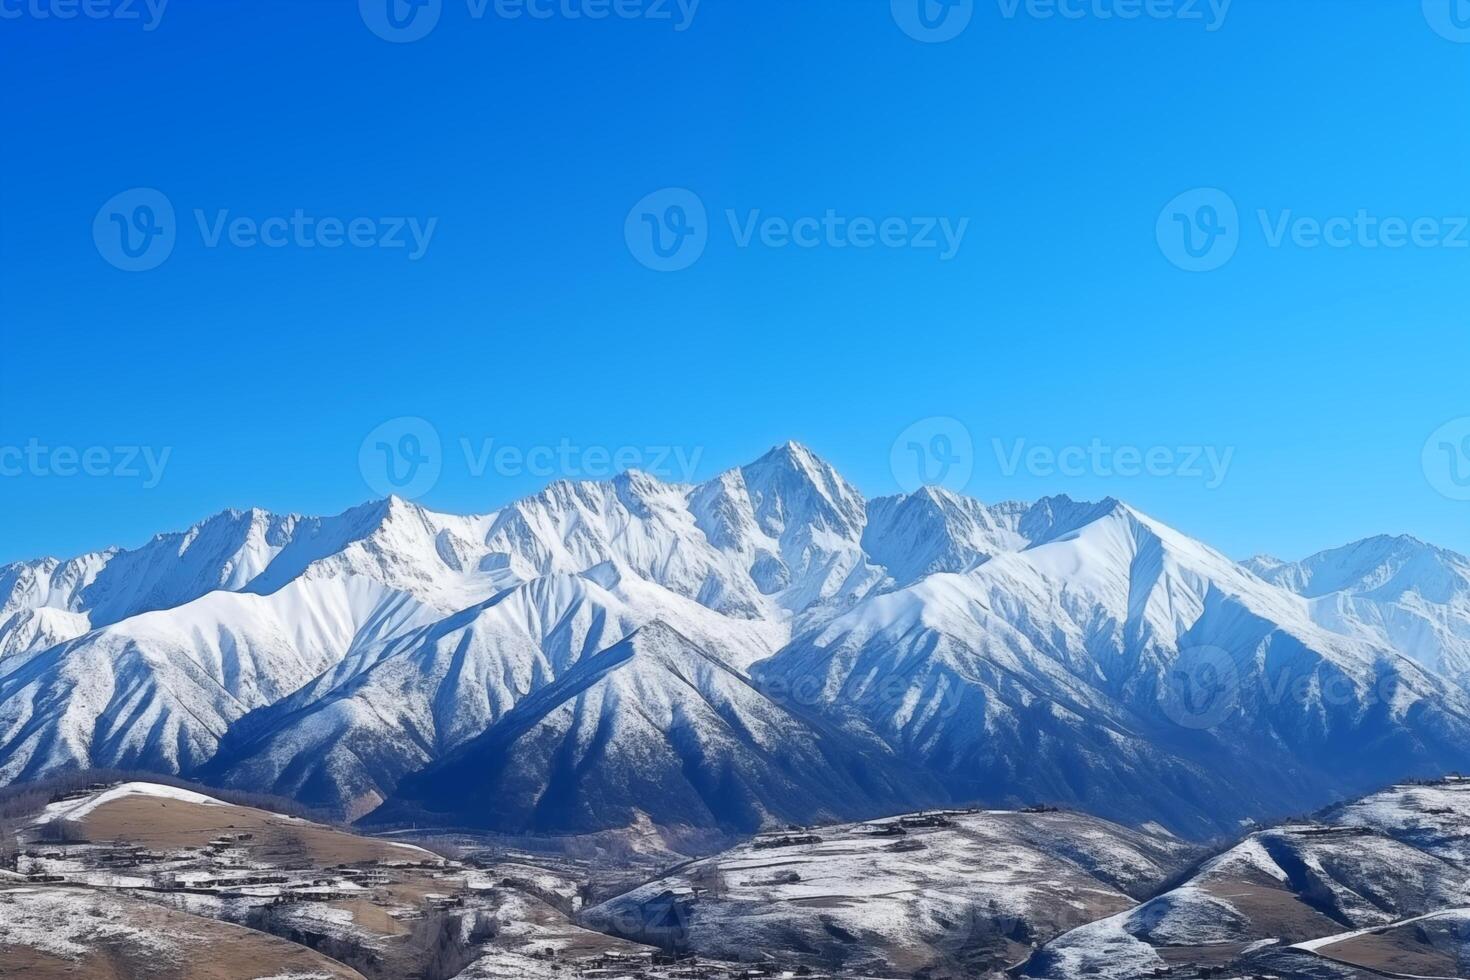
x,y
61,831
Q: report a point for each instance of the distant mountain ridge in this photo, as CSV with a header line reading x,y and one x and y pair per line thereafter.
x,y
915,649
1397,591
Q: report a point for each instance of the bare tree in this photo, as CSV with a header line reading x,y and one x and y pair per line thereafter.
x,y
711,879
61,831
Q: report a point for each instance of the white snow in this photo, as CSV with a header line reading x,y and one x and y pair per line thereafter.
x,y
79,808
1395,591
70,922
932,622
1316,945
982,873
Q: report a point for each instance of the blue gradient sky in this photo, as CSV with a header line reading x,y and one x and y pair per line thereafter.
x,y
528,320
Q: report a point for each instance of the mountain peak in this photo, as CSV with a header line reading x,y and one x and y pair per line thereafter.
x,y
1382,565
789,450
364,519
792,486
1054,516
794,457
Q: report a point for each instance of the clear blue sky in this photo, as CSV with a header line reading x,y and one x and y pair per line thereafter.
x,y
528,319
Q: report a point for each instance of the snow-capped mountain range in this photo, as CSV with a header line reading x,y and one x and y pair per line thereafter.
x,y
765,647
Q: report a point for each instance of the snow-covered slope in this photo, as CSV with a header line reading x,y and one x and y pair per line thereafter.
x,y
1396,591
346,738
1060,651
1118,665
224,552
156,690
934,530
659,727
30,630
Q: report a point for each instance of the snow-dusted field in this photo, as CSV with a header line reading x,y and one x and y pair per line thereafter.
x,y
53,931
975,893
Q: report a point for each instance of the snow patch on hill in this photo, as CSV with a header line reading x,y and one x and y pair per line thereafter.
x,y
78,809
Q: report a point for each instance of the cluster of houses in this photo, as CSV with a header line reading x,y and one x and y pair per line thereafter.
x,y
225,868
785,840
652,965
220,869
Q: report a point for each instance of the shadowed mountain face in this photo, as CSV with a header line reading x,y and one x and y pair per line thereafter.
x,y
653,726
764,647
